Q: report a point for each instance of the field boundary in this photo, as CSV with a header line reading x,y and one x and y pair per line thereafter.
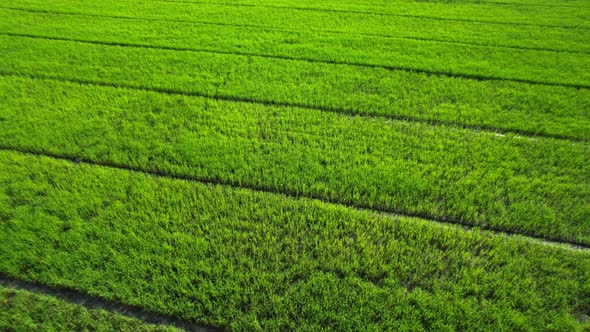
x,y
497,231
345,112
94,302
269,28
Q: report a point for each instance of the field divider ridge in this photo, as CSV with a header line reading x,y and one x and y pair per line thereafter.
x,y
376,14
270,28
498,231
94,302
482,128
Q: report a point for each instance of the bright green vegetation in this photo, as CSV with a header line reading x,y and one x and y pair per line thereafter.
x,y
348,48
491,63
279,165
533,186
389,6
518,107
573,16
313,22
582,4
232,257
267,12
22,310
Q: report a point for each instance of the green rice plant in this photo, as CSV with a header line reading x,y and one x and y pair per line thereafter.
x,y
376,17
159,28
532,186
248,260
575,16
492,105
22,310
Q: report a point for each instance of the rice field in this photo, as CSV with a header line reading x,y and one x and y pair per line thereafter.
x,y
255,165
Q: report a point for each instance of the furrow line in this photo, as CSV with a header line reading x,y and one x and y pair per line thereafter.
x,y
360,12
498,231
483,128
310,60
334,32
95,302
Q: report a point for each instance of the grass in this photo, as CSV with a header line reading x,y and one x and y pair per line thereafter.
x,y
183,248
295,165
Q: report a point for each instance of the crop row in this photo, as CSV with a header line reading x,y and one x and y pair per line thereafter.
x,y
582,4
323,22
369,49
506,106
22,310
573,16
162,30
431,57
256,11
251,260
532,186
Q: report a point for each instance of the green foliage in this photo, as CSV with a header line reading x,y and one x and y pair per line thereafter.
x,y
299,32
385,18
288,108
452,59
245,259
556,111
22,310
533,186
